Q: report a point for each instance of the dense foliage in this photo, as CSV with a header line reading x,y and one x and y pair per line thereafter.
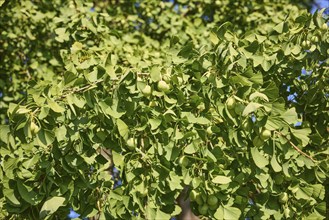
x,y
227,97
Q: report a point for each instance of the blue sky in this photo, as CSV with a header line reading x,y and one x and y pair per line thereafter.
x,y
320,4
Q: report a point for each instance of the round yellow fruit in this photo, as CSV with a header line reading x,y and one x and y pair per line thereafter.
x,y
163,86
278,179
203,209
212,200
183,161
265,134
306,44
209,131
230,103
193,195
315,39
131,143
34,128
147,90
283,198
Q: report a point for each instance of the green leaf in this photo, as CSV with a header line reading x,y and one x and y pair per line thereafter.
x,y
258,95
251,107
162,215
155,74
197,120
290,116
259,158
221,179
219,214
271,91
155,123
304,193
275,165
118,159
45,137
274,123
213,38
231,212
51,206
76,46
279,27
28,194
4,131
301,135
220,32
190,149
123,129
186,50
55,107
257,60
10,195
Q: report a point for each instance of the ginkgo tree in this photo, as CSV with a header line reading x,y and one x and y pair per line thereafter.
x,y
178,96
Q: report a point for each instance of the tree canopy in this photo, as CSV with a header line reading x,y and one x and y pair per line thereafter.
x,y
228,98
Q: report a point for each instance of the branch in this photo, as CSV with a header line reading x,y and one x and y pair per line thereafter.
x,y
82,89
296,148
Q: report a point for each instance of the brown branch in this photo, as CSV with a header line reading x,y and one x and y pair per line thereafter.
x,y
295,147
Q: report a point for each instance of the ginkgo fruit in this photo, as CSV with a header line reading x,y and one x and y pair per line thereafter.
x,y
131,143
209,131
315,39
193,195
212,200
283,198
203,209
230,103
147,90
34,128
183,161
265,134
163,86
306,44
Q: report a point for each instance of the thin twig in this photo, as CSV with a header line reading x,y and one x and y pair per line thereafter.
x,y
82,89
296,148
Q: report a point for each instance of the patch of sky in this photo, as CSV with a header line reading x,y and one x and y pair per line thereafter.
x,y
306,72
297,124
319,4
73,214
292,97
150,20
253,118
134,213
320,62
251,202
25,61
116,178
138,25
206,18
